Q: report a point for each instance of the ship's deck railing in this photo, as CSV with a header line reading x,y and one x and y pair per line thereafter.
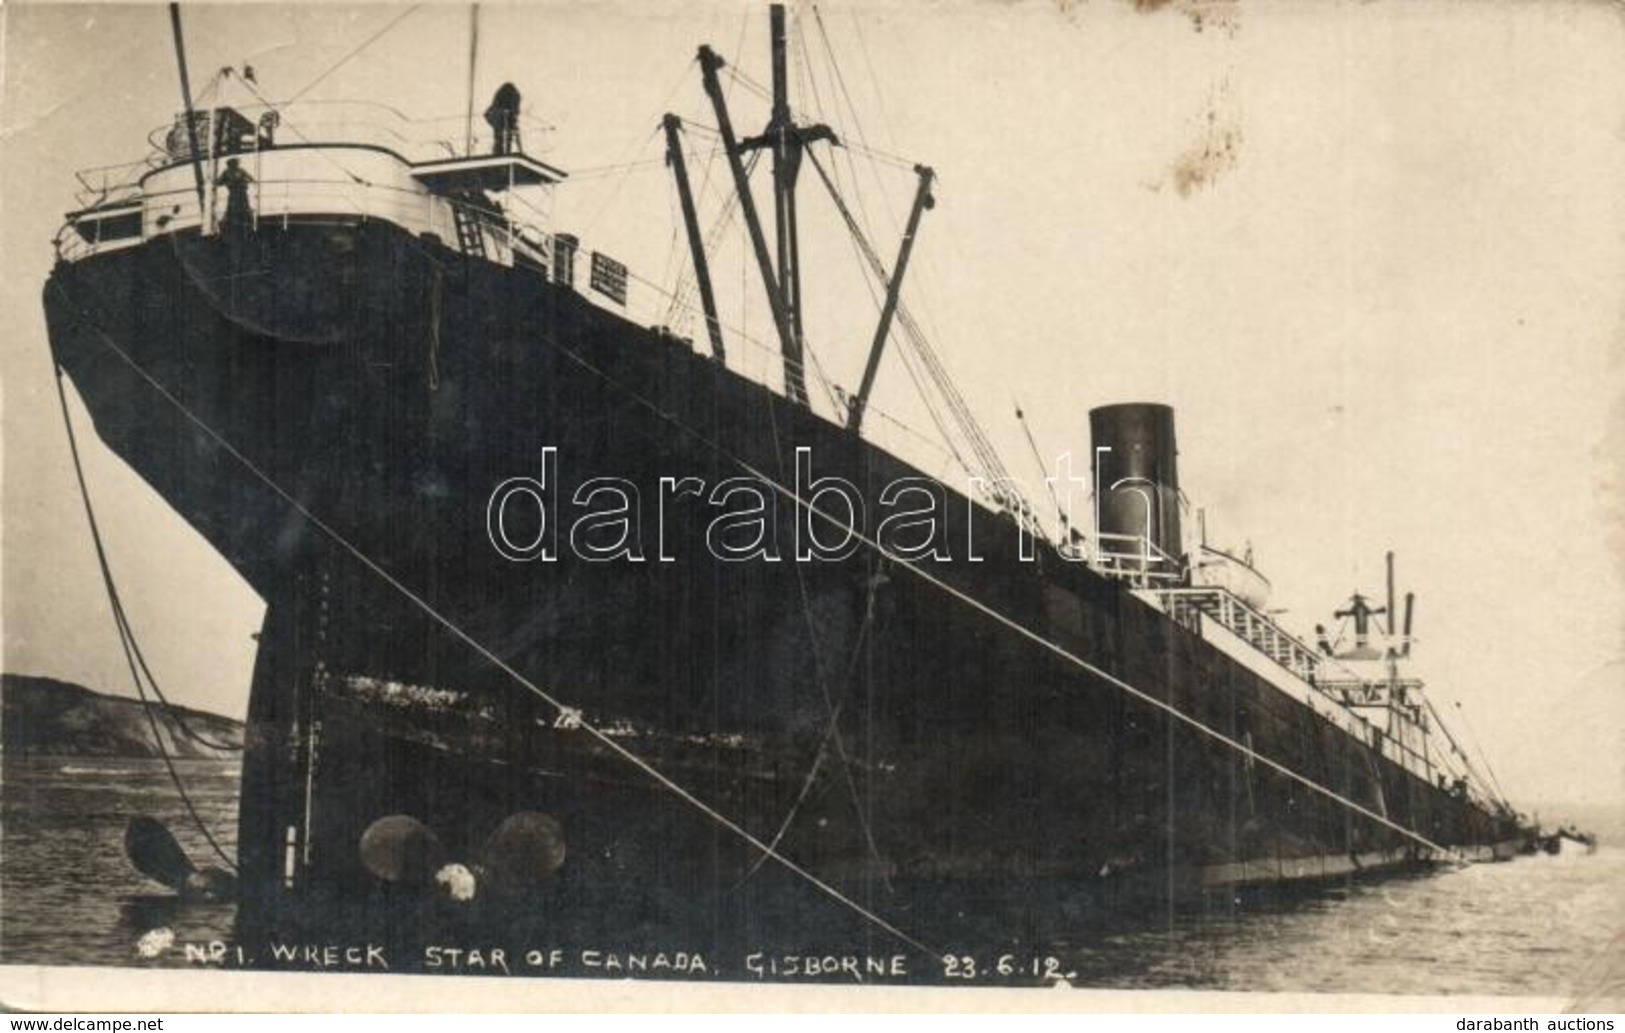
x,y
1400,697
110,184
304,194
343,183
1259,631
307,122
1143,564
300,123
1369,692
1325,677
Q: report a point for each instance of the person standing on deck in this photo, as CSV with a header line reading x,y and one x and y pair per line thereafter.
x,y
503,118
239,217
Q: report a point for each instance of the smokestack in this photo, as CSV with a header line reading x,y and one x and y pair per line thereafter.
x,y
1134,461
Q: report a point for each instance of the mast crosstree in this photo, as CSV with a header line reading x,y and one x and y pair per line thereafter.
x,y
787,141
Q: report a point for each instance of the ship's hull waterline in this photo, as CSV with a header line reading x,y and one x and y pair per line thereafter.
x,y
875,726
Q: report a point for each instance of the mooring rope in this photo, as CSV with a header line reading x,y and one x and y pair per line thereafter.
x,y
127,636
610,743
1015,626
602,737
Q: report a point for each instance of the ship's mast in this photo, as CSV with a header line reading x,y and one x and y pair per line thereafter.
x,y
473,56
787,140
191,118
922,201
794,383
1391,657
781,135
696,243
781,272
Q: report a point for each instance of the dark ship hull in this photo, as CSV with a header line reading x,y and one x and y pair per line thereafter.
x,y
931,742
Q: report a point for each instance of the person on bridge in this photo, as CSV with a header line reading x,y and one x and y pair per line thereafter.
x,y
503,118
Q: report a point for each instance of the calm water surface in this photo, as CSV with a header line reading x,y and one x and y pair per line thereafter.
x,y
1539,926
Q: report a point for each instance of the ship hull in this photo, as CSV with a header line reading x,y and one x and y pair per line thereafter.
x,y
333,406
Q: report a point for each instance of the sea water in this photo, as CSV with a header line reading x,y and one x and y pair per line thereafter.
x,y
1548,926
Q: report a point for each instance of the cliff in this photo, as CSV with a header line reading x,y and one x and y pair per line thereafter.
x,y
46,716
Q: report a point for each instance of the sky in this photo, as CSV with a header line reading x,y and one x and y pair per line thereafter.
x,y
1370,252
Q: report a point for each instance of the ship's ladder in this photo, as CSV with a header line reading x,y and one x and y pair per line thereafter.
x,y
470,238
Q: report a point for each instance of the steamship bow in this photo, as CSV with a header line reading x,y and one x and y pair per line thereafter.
x,y
366,376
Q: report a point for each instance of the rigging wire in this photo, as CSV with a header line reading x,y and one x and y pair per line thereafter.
x,y
618,183
1013,625
681,293
608,741
812,369
944,441
170,709
120,619
673,264
680,298
598,171
1455,763
804,66
325,153
747,83
683,302
857,122
1000,485
634,146
941,446
1479,746
928,265
809,80
127,632
1038,460
955,402
725,219
341,62
823,686
473,58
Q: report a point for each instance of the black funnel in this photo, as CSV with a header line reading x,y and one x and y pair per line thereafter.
x,y
1136,474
